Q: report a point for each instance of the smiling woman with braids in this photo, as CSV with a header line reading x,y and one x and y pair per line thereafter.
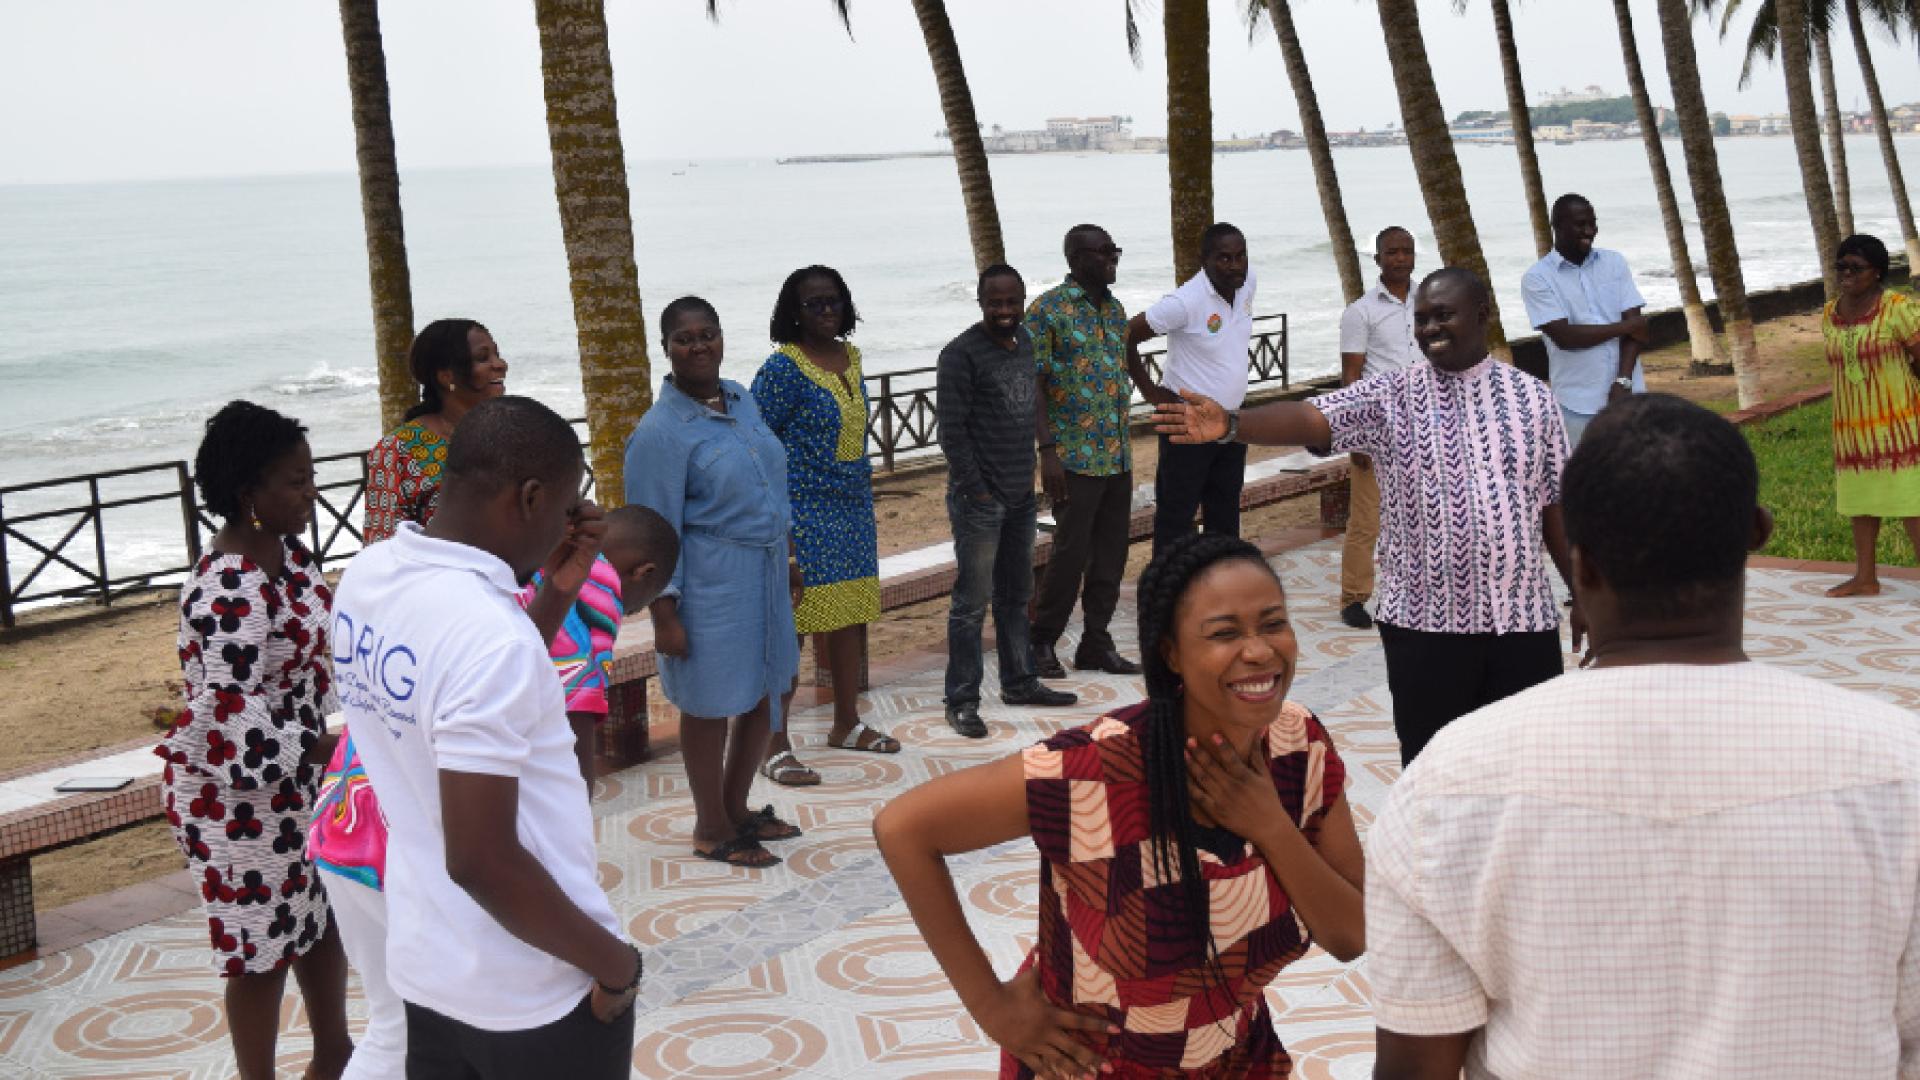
x,y
1191,847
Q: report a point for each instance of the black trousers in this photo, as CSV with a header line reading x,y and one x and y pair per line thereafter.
x,y
1436,678
1206,477
576,1046
1090,543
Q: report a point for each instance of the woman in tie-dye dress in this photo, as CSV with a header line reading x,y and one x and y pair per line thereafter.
x,y
1191,847
1873,348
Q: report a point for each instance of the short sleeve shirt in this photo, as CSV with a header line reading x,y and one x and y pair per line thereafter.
x,y
1379,326
1673,871
1081,348
1467,462
1207,338
1112,940
1591,293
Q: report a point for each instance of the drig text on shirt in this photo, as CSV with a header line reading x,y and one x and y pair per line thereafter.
x,y
371,674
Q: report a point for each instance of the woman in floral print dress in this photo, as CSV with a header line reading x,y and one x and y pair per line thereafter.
x,y
1191,847
244,756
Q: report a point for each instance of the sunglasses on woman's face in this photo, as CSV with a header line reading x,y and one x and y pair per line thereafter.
x,y
1845,268
821,305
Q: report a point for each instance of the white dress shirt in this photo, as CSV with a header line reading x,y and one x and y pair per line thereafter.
x,y
1590,293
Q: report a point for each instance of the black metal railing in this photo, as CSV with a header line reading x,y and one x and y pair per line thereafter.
x,y
61,525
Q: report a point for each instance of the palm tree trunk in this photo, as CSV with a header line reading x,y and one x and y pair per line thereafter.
x,y
1320,152
1522,123
1709,201
1189,130
1895,180
1434,163
963,133
387,277
1700,338
1796,61
1836,135
596,223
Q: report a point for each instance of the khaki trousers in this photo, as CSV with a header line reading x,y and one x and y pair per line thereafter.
x,y
1363,530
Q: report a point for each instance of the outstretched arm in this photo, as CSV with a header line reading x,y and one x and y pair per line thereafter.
x,y
1199,419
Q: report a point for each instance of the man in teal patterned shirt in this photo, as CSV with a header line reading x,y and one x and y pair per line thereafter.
x,y
1079,331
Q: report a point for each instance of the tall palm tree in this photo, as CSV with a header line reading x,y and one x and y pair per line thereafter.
x,y
1319,151
1763,43
1189,128
1884,133
596,223
387,276
1796,61
1836,130
1700,336
1709,201
1520,119
1431,144
963,131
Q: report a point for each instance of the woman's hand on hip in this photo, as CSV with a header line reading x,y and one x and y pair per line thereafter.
x,y
796,583
1041,1034
1236,793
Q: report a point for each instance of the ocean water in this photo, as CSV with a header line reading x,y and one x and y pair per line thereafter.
x,y
129,312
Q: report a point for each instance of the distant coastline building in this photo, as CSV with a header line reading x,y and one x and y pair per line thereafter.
x,y
1103,133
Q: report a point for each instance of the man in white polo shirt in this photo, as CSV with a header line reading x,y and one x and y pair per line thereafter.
x,y
1376,337
1208,322
1583,301
500,939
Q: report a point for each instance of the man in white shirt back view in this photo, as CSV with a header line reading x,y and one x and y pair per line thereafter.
x,y
500,939
1376,337
1677,864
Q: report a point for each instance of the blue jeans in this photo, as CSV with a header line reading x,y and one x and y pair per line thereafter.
x,y
993,546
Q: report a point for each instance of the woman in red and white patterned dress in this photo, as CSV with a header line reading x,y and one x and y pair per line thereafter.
x,y
1192,846
244,756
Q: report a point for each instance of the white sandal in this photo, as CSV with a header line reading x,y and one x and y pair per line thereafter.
x,y
786,770
881,744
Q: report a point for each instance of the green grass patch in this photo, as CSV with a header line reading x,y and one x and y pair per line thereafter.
x,y
1795,452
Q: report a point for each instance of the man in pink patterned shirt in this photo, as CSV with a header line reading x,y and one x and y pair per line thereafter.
x,y
1468,452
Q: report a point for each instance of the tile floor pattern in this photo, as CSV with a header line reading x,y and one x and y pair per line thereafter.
x,y
813,969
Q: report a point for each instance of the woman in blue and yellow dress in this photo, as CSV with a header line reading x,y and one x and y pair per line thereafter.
x,y
811,396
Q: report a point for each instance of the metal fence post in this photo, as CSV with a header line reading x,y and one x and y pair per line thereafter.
x,y
99,539
1286,352
189,518
886,421
6,576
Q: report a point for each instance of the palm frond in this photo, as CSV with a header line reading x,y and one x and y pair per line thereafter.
x,y
713,11
1133,35
1255,14
844,9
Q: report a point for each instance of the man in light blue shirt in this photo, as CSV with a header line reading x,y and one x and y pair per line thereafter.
x,y
1583,301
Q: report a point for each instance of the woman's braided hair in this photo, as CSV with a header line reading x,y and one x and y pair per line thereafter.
x,y
1163,748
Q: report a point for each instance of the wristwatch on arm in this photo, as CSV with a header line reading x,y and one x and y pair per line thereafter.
x,y
1233,429
1624,382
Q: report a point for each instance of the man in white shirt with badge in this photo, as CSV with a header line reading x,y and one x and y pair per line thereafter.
x,y
1208,322
501,941
1583,301
1376,337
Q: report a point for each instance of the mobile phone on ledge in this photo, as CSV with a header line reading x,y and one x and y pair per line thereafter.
x,y
80,784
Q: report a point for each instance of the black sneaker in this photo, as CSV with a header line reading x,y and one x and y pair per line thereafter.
x,y
1046,664
965,719
1035,694
1355,615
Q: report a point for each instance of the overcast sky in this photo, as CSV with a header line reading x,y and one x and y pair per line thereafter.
x,y
126,89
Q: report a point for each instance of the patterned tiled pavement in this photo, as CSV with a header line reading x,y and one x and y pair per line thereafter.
x,y
813,969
